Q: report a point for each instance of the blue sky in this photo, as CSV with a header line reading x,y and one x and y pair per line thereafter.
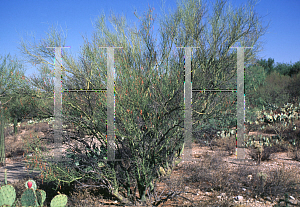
x,y
19,17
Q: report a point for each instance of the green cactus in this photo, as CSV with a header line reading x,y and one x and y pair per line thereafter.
x,y
34,187
5,176
285,115
7,195
28,198
41,197
59,201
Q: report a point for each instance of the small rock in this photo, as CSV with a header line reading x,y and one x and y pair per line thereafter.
x,y
268,199
268,202
239,198
294,202
282,203
223,194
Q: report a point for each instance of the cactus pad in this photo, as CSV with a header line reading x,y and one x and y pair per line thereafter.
x,y
7,195
29,198
59,200
41,197
34,187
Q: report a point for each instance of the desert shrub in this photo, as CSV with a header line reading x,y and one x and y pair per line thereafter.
x,y
293,87
227,143
211,171
44,127
276,89
279,181
266,154
37,128
282,146
294,153
8,131
84,198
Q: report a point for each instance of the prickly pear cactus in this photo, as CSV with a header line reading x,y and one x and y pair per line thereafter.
x,y
7,195
59,200
33,184
288,114
28,198
5,176
41,197
285,115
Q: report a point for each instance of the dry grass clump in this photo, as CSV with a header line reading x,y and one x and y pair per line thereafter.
x,y
84,198
209,174
212,175
281,180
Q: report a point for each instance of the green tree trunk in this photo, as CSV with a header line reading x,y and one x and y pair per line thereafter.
x,y
15,126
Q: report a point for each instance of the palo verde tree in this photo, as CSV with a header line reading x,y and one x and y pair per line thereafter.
x,y
28,103
43,87
214,63
12,72
148,92
144,164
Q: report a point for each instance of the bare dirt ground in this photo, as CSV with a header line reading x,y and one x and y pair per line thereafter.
x,y
209,178
198,190
15,153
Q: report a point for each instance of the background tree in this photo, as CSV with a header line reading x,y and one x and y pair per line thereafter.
x,y
283,68
43,91
11,72
21,108
279,85
28,103
268,65
255,78
295,69
215,63
149,97
294,89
